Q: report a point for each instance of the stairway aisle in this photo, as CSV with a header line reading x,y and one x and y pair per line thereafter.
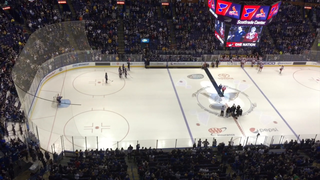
x,y
132,169
73,12
310,23
159,12
267,32
120,37
172,34
173,44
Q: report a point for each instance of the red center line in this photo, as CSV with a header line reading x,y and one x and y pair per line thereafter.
x,y
239,127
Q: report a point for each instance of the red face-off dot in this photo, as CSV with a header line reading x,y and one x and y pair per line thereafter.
x,y
97,127
198,124
275,122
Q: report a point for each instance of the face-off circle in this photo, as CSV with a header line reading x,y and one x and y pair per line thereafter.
x,y
310,82
110,127
93,83
208,99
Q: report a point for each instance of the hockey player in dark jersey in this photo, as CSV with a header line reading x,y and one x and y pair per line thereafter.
x,y
120,72
106,77
125,72
59,98
128,63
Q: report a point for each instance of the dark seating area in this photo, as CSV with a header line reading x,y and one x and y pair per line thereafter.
x,y
36,14
94,164
194,28
101,23
179,164
290,31
143,21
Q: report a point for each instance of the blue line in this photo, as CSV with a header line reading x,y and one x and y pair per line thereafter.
x,y
272,105
182,111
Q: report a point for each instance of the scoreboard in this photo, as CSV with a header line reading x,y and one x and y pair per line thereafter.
x,y
243,14
274,10
246,21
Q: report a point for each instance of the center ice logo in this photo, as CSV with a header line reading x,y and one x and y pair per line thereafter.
x,y
196,76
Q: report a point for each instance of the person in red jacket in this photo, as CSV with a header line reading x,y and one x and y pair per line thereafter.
x,y
251,36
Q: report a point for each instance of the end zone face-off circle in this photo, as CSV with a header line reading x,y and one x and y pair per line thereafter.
x,y
108,126
313,81
87,83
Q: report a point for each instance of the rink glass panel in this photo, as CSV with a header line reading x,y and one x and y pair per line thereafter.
x,y
47,43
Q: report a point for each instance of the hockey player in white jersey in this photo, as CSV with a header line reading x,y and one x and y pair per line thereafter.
x,y
281,68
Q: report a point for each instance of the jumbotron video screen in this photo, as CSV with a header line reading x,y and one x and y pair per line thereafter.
x,y
244,36
219,30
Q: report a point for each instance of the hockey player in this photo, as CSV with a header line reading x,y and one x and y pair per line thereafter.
x,y
59,98
260,67
253,62
223,107
123,67
205,65
223,89
125,72
128,63
120,72
243,62
212,64
281,69
259,62
106,77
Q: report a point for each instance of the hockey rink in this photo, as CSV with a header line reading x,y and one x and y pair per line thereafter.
x,y
165,108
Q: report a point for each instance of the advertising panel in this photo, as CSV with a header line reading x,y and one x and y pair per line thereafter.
x,y
212,7
228,9
274,10
254,12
